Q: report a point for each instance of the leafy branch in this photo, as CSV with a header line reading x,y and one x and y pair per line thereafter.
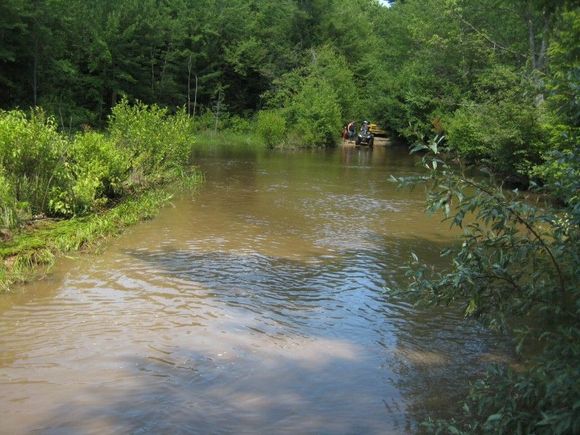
x,y
517,264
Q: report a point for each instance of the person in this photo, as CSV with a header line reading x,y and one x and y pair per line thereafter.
x,y
351,130
364,127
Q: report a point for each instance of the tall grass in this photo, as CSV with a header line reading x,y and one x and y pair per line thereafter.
x,y
30,254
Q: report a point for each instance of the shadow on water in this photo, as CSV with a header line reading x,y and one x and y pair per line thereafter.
x,y
285,347
426,354
259,308
180,390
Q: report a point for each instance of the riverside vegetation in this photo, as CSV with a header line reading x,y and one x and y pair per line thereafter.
x,y
493,83
517,271
57,192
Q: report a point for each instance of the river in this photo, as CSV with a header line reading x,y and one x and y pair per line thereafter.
x,y
257,304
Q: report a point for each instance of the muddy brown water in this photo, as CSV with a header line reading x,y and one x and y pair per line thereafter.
x,y
256,305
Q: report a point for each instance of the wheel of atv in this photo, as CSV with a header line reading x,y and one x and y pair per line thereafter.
x,y
371,143
357,141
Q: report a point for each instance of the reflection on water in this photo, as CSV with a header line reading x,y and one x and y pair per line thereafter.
x,y
256,306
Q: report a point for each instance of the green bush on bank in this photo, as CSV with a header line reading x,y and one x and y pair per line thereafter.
x,y
505,135
308,105
43,172
32,159
517,271
9,206
157,145
316,114
271,127
95,169
310,118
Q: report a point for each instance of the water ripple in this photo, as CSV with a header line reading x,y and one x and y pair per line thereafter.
x,y
260,306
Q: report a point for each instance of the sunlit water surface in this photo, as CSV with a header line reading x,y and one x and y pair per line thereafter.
x,y
256,305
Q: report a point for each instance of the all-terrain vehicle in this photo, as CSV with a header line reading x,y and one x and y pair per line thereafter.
x,y
364,138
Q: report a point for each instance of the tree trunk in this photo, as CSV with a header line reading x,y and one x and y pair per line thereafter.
x,y
531,36
35,71
195,96
189,86
544,47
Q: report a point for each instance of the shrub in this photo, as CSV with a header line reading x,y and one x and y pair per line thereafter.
x,y
205,120
44,172
9,215
519,264
32,154
316,113
96,171
271,127
239,125
507,136
155,143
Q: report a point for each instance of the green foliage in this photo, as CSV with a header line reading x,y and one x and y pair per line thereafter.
x,y
333,68
519,264
561,170
9,216
564,67
156,144
45,172
32,155
310,99
486,74
271,127
205,121
316,113
96,169
560,163
506,135
237,124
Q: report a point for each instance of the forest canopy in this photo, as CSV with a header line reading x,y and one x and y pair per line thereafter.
x,y
496,77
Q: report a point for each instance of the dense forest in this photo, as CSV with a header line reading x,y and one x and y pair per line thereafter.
x,y
492,84
497,77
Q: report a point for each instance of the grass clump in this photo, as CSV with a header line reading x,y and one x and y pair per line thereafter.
x,y
33,250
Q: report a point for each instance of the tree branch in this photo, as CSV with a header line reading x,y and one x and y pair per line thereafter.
x,y
486,37
524,222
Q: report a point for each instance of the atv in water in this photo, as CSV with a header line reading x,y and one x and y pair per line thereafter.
x,y
364,138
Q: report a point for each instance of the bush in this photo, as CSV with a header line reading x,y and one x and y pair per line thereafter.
x,y
44,172
156,144
96,171
271,127
239,125
519,264
9,207
316,113
205,121
32,154
506,135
